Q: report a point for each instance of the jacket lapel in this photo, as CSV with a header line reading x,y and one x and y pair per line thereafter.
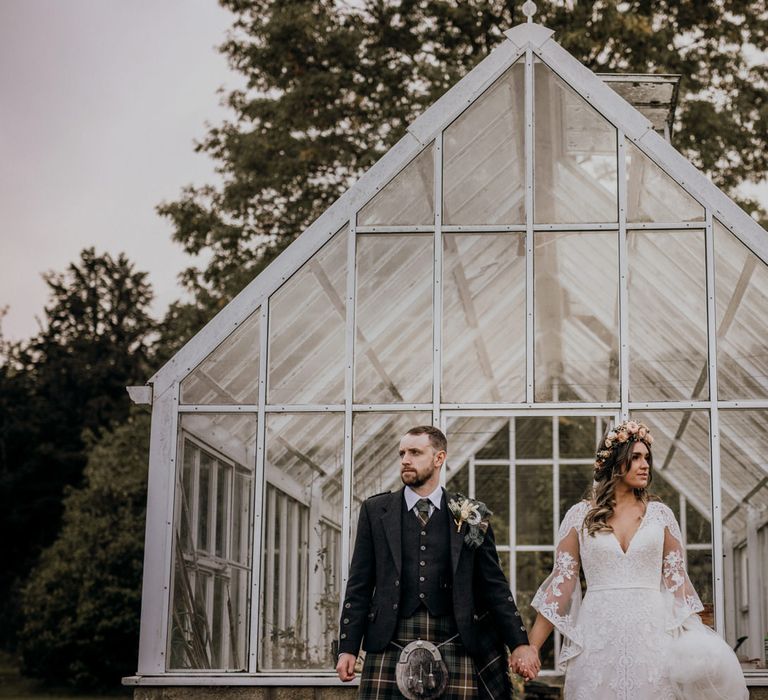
x,y
392,524
457,538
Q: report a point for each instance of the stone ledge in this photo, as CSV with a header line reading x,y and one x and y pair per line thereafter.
x,y
244,693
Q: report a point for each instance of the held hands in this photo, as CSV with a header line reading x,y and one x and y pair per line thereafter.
x,y
345,667
524,661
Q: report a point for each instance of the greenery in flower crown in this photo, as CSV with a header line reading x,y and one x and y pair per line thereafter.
x,y
475,514
629,431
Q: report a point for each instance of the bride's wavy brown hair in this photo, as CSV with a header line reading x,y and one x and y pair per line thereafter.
x,y
603,491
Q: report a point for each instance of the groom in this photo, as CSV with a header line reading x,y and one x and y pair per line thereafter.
x,y
414,576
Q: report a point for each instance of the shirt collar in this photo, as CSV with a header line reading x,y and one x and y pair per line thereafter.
x,y
411,497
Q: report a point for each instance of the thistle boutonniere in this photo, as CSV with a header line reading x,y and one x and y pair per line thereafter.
x,y
474,513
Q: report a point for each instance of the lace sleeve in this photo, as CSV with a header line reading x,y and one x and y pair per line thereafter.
x,y
683,599
559,596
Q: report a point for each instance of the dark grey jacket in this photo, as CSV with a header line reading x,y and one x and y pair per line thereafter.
x,y
482,602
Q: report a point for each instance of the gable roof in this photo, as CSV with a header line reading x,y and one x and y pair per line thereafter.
x,y
528,37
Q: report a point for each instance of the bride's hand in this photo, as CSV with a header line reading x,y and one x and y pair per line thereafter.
x,y
524,661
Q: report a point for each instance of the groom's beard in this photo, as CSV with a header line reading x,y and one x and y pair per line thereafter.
x,y
414,479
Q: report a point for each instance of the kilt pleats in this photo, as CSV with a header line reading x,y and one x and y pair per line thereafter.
x,y
485,678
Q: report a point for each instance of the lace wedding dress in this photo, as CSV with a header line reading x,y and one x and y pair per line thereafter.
x,y
619,642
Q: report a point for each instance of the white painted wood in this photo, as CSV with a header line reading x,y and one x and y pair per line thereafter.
x,y
529,33
530,340
212,678
754,585
730,214
623,278
431,122
716,483
259,489
349,378
437,283
158,537
603,98
140,395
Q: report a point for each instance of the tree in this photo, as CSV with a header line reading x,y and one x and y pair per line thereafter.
x,y
331,85
81,603
62,385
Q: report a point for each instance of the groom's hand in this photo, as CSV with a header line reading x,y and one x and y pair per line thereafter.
x,y
345,668
524,661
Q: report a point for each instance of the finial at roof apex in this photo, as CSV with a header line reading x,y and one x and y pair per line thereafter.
x,y
529,9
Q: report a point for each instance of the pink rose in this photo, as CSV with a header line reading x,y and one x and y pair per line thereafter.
x,y
622,435
642,432
632,427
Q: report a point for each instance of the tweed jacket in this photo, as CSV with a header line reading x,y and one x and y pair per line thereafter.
x,y
482,603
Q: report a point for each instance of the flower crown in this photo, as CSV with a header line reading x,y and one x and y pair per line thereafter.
x,y
629,431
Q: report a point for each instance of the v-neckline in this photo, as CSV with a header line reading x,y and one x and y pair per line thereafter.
x,y
634,534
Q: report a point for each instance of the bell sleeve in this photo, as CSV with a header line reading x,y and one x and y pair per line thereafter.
x,y
559,596
682,599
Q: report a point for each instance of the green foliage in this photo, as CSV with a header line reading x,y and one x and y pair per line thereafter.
x,y
81,604
331,85
66,382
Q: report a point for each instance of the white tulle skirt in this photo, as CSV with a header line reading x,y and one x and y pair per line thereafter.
x,y
701,665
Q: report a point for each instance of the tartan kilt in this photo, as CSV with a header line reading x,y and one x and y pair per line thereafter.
x,y
485,677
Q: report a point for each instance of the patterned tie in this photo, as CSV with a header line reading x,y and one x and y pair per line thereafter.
x,y
422,510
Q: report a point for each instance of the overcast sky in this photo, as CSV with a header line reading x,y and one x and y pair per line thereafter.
x,y
100,104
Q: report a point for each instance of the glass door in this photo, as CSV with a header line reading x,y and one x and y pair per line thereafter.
x,y
528,469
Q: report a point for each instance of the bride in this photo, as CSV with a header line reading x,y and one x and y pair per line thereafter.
x,y
636,636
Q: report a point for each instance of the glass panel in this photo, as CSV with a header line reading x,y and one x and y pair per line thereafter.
x,y
302,539
307,330
223,499
577,437
575,483
699,563
667,316
532,569
458,479
742,323
699,530
576,281
575,174
492,488
393,349
408,198
483,318
375,443
475,438
533,438
209,620
533,497
744,475
681,458
652,195
230,374
484,169
682,477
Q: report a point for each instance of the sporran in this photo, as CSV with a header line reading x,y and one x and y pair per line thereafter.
x,y
421,673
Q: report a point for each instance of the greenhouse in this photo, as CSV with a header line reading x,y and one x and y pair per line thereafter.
x,y
531,261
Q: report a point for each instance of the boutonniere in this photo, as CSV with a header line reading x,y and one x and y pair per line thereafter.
x,y
474,513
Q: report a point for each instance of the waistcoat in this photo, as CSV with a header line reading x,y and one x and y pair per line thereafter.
x,y
426,575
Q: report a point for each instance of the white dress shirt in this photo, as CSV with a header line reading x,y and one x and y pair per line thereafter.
x,y
411,498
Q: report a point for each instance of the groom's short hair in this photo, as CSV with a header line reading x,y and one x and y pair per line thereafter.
x,y
436,436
